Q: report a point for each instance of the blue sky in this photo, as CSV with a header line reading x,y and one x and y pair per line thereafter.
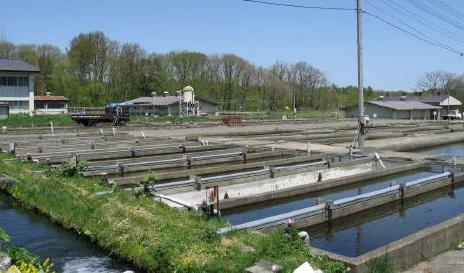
x,y
261,34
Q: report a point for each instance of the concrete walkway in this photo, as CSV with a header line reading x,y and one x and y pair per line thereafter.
x,y
449,262
271,185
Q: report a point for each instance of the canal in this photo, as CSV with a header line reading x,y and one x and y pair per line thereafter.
x,y
444,151
69,252
355,235
253,212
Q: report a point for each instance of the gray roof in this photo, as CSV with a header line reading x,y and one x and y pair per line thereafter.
x,y
158,101
17,65
425,99
404,105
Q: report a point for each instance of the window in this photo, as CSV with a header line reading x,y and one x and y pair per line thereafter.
x,y
14,81
23,81
18,105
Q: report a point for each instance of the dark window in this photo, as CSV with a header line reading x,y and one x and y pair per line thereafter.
x,y
14,81
23,81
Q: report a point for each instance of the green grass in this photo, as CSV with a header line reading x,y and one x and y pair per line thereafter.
x,y
37,120
381,265
150,234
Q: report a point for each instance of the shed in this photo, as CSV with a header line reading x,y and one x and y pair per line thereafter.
x,y
51,104
403,109
166,105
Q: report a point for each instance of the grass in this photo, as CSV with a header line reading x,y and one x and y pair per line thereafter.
x,y
150,234
37,120
381,265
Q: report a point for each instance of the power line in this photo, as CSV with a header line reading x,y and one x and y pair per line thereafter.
x,y
297,6
447,8
411,33
439,29
413,28
380,18
432,12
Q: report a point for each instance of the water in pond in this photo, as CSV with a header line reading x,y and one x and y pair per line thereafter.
x,y
444,151
69,252
355,235
253,212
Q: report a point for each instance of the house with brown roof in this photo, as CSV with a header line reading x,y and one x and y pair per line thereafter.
x,y
51,104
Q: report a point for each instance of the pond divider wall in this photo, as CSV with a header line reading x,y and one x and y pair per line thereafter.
x,y
319,186
266,172
331,210
408,251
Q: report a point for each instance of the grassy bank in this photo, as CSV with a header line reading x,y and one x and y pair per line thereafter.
x,y
152,235
37,120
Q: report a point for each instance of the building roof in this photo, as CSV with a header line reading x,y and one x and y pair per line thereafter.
x,y
50,98
162,101
440,100
15,65
159,101
404,105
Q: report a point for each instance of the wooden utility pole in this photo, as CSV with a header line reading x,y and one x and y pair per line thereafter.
x,y
360,78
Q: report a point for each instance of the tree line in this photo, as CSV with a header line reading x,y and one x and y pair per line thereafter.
x,y
95,70
441,83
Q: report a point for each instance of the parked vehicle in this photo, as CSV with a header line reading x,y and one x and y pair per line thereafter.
x,y
453,114
89,116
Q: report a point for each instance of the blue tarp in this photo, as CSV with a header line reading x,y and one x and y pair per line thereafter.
x,y
115,104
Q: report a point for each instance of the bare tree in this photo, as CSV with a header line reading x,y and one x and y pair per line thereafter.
x,y
436,81
7,48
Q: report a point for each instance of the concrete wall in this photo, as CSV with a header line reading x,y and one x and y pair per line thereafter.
x,y
410,250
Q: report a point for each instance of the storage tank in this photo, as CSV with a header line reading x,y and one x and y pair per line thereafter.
x,y
187,94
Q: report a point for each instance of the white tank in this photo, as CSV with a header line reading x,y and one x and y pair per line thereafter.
x,y
187,94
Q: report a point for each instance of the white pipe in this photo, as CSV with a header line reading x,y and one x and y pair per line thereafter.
x,y
177,201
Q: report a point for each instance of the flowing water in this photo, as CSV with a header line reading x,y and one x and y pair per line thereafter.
x,y
69,252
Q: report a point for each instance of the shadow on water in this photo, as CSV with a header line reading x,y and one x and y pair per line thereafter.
x,y
360,233
69,252
253,212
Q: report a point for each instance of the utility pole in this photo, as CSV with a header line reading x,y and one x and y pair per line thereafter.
x,y
360,78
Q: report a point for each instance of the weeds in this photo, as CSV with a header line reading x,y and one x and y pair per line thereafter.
x,y
381,265
70,168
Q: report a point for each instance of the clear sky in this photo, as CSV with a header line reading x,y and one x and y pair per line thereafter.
x,y
261,34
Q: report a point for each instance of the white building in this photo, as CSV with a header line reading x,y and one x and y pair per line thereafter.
x,y
17,85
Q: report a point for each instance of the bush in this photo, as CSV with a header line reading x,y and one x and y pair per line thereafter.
x,y
20,255
150,178
69,168
45,267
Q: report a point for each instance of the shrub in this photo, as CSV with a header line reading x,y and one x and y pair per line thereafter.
x,y
69,168
20,255
150,178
